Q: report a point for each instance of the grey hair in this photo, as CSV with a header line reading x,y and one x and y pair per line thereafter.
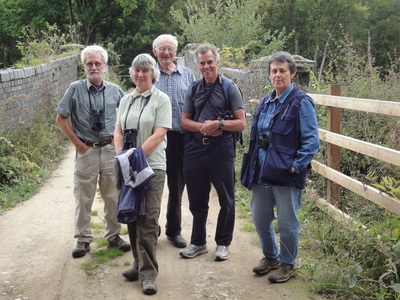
x,y
145,61
169,37
202,49
282,56
94,49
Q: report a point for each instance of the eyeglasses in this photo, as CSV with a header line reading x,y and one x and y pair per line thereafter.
x,y
97,64
169,49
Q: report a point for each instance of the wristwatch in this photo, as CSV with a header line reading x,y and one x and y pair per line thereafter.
x,y
221,125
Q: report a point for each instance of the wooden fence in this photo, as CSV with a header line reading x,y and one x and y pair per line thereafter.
x,y
335,141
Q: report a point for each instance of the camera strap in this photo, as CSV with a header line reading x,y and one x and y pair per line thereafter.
x,y
129,108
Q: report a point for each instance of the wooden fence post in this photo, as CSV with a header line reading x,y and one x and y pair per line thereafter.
x,y
333,151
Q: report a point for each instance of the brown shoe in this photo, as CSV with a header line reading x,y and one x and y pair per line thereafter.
x,y
266,265
282,274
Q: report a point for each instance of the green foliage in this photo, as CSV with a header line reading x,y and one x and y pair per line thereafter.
x,y
231,23
232,57
27,156
268,43
101,241
350,265
39,46
387,184
16,15
100,257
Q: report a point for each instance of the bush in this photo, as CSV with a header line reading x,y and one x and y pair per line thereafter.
x,y
27,156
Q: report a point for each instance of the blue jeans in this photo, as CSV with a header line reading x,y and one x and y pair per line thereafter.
x,y
287,201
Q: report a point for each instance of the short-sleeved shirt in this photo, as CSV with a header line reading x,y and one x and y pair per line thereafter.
x,y
175,86
216,103
156,113
81,98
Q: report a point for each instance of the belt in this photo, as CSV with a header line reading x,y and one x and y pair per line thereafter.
x,y
97,144
211,140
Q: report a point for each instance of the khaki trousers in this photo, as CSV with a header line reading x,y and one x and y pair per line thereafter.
x,y
97,166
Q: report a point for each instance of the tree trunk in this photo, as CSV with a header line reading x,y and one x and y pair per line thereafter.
x,y
369,49
325,53
72,27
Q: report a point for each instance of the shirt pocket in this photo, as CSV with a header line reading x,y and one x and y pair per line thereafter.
x,y
284,125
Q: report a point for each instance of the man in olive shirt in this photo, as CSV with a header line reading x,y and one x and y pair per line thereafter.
x,y
86,115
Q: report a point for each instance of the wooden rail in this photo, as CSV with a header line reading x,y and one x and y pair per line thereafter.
x,y
335,141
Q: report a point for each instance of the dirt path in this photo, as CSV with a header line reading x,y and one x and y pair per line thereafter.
x,y
36,240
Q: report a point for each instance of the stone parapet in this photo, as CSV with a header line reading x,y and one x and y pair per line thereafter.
x,y
24,92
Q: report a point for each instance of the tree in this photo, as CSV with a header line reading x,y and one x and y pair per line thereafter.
x,y
233,23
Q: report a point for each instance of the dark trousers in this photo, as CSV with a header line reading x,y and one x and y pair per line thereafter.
x,y
205,165
175,182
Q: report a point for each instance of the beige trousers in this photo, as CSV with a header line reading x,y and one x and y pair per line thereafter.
x,y
97,166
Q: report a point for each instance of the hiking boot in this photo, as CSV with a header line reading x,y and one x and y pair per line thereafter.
x,y
132,274
193,250
177,240
118,243
149,287
282,274
81,249
221,253
265,265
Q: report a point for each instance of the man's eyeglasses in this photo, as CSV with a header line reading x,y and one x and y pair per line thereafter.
x,y
164,49
97,64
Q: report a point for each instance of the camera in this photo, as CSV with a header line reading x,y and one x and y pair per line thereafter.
x,y
129,138
263,142
97,119
228,115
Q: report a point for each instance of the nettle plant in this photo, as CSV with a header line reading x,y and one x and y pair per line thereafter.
x,y
39,46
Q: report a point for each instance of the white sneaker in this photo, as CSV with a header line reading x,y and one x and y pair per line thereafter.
x,y
222,253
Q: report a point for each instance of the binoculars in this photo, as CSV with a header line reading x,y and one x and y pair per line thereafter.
x,y
129,138
97,120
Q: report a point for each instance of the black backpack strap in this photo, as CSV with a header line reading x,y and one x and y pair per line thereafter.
x,y
226,84
203,104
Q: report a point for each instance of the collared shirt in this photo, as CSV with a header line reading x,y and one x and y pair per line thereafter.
x,y
308,126
81,98
155,112
175,86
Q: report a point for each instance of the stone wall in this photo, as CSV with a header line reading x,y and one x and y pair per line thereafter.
x,y
24,92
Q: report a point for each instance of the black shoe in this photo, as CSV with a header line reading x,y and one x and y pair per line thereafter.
x,y
81,249
177,240
131,274
119,243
